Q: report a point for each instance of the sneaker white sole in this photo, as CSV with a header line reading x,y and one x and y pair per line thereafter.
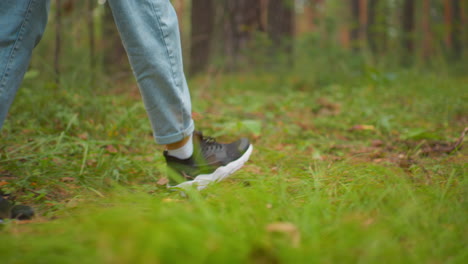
x,y
221,173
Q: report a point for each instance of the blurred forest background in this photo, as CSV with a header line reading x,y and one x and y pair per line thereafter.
x,y
327,37
356,108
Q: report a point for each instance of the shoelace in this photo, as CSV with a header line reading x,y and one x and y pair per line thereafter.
x,y
209,143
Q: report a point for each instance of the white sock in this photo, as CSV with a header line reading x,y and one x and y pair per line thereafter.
x,y
183,152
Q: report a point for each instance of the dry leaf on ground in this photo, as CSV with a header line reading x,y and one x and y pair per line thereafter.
x,y
162,181
287,228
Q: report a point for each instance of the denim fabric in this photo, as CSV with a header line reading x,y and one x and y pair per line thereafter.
x,y
22,23
150,34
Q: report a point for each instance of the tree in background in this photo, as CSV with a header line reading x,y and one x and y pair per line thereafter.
x,y
92,45
202,19
115,59
280,25
408,30
426,28
355,32
364,26
241,19
223,31
453,14
374,29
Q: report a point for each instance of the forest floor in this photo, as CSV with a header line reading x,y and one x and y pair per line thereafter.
x,y
366,171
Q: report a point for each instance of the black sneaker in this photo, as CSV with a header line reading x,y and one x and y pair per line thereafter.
x,y
9,210
211,162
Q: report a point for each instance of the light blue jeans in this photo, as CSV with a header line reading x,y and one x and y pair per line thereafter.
x,y
150,34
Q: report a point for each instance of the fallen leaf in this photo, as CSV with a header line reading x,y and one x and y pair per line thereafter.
x,y
363,127
3,183
91,162
83,136
67,179
327,107
368,222
170,200
253,169
74,202
377,143
288,229
162,181
111,149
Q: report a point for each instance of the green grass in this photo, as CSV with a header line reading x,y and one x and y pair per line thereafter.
x,y
84,159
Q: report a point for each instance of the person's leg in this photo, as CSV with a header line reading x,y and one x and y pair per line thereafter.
x,y
22,23
150,34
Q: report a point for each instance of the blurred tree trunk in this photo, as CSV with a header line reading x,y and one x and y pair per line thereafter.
x,y
90,20
318,24
426,27
456,33
280,25
358,23
263,14
179,6
202,19
306,24
373,29
448,22
377,26
345,27
363,21
242,18
464,24
453,27
408,29
316,16
115,59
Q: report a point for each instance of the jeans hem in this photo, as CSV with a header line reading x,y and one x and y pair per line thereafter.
x,y
164,140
